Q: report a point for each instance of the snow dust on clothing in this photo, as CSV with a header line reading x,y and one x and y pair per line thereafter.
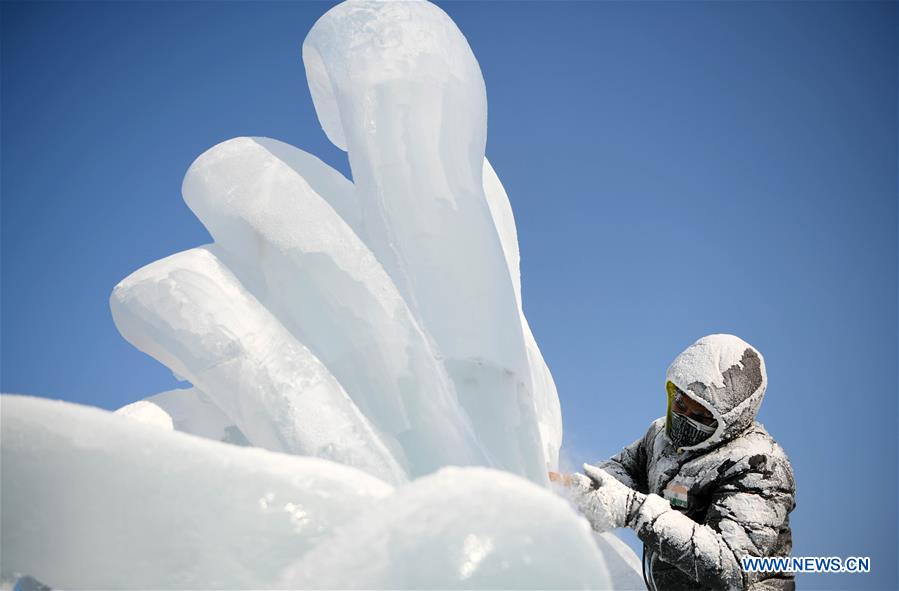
x,y
719,500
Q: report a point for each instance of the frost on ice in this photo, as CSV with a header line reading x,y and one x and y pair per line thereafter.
x,y
349,338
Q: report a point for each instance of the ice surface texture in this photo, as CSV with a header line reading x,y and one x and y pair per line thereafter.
x,y
470,527
96,501
92,500
363,343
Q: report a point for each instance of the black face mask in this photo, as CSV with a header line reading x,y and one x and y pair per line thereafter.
x,y
685,432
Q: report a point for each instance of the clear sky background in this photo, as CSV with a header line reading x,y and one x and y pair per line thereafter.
x,y
675,169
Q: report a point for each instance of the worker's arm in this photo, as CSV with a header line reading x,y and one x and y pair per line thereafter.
x,y
629,464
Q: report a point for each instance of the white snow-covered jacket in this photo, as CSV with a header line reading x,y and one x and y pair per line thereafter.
x,y
730,496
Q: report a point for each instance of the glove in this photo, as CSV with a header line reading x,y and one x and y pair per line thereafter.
x,y
605,502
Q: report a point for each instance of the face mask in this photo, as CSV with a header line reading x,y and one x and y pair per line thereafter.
x,y
685,432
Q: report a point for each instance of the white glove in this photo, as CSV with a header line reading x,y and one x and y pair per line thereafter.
x,y
605,502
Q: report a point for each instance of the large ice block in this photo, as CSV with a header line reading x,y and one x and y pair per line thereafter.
x,y
461,528
93,500
397,86
192,314
310,269
187,410
545,397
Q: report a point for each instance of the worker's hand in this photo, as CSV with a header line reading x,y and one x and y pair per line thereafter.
x,y
605,502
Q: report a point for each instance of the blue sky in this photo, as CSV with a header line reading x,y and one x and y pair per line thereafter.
x,y
676,169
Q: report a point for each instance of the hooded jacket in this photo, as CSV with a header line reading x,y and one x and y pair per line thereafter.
x,y
729,496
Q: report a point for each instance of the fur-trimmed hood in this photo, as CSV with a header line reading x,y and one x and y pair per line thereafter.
x,y
725,374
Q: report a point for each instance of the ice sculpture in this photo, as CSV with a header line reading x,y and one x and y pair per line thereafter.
x,y
499,534
92,500
399,292
187,410
96,501
190,312
375,327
